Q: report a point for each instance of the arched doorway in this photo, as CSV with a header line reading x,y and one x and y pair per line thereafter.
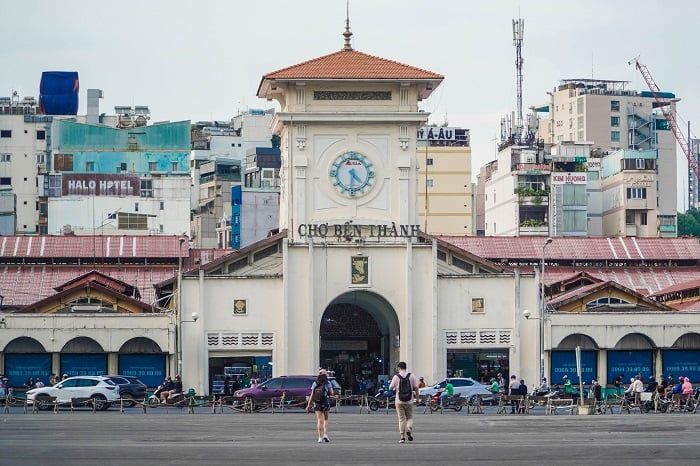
x,y
563,360
358,337
83,356
143,358
25,357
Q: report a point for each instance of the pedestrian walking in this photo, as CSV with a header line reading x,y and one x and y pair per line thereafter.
x,y
319,401
406,388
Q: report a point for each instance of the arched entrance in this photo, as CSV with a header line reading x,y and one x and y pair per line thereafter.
x,y
358,337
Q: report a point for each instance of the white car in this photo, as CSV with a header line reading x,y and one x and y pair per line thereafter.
x,y
100,389
464,386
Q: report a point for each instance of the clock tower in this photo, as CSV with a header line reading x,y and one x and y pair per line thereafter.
x,y
348,125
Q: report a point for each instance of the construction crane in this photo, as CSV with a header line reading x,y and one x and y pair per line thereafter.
x,y
664,105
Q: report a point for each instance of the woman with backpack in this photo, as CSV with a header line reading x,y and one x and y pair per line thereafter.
x,y
319,401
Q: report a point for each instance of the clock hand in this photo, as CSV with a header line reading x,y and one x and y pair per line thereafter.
x,y
353,176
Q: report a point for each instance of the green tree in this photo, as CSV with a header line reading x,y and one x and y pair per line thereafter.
x,y
276,140
689,223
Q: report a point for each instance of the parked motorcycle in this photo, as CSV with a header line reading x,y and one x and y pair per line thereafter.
x,y
382,399
454,402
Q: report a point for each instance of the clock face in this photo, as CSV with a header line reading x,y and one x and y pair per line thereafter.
x,y
352,174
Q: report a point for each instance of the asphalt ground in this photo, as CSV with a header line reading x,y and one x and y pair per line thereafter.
x,y
178,438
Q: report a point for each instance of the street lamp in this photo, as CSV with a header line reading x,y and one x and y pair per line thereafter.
x,y
542,311
178,310
543,308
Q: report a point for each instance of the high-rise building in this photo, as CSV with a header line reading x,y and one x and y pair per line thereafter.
x,y
613,118
444,181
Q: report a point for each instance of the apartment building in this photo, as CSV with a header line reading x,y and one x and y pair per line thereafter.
x,y
444,181
24,138
616,118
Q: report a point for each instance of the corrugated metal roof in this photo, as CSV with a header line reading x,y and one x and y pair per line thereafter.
x,y
635,278
24,285
530,247
56,247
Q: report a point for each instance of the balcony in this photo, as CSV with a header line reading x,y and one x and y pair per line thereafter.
x,y
542,230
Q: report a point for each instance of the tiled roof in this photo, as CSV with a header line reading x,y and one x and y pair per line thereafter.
x,y
645,280
24,285
679,287
351,64
496,248
109,247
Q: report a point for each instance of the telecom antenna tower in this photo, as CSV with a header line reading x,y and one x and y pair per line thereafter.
x,y
518,32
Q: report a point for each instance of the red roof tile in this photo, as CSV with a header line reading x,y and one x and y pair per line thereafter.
x,y
496,248
151,247
351,64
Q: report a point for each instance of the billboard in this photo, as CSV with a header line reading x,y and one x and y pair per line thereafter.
x,y
100,184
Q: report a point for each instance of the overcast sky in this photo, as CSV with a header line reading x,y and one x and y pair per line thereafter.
x,y
203,59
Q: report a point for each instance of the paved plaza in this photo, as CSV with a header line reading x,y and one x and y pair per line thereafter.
x,y
178,438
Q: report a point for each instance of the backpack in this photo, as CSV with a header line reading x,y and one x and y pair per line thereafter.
x,y
405,390
320,396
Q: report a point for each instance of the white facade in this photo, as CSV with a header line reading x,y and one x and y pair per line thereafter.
x,y
613,118
167,211
22,155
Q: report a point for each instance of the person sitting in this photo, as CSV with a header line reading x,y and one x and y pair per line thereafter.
x,y
678,388
543,389
686,389
652,385
447,392
30,383
168,385
494,386
569,389
177,389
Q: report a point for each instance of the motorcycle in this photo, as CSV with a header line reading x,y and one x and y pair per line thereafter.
x,y
454,402
154,399
383,398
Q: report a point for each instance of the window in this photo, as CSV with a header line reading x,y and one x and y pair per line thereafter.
x,y
639,164
615,121
63,162
122,167
614,105
136,206
636,193
629,218
5,133
127,221
160,228
146,187
5,157
173,166
152,166
429,161
5,181
40,158
429,183
55,187
41,134
579,105
477,305
162,205
615,136
579,122
89,166
643,218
